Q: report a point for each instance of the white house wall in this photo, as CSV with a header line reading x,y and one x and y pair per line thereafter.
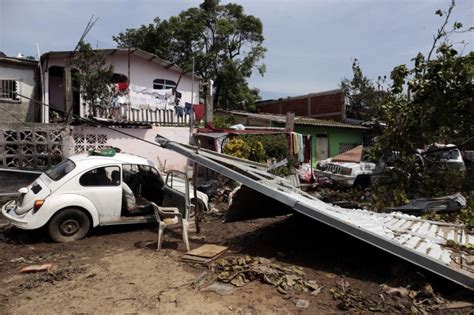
x,y
25,109
142,73
97,137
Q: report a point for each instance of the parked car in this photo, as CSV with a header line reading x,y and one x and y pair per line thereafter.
x,y
349,174
445,156
87,190
347,169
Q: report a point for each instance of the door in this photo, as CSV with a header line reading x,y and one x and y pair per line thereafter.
x,y
102,187
175,190
322,147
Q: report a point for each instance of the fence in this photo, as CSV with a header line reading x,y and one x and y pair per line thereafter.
x,y
162,117
31,146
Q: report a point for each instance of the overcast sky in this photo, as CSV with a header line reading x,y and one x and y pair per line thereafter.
x,y
311,43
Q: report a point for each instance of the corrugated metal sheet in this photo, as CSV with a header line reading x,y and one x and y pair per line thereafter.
x,y
422,242
298,120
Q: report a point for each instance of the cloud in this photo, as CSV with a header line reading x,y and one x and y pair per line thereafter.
x,y
311,43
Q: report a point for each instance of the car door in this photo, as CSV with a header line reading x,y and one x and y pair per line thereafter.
x,y
102,186
174,190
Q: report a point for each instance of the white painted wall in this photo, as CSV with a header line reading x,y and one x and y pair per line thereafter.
x,y
142,73
159,156
25,76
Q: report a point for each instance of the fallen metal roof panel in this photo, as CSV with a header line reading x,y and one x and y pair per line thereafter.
x,y
419,241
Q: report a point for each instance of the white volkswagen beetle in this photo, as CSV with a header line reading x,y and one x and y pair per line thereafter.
x,y
89,190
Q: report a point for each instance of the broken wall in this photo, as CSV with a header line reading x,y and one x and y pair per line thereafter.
x,y
85,138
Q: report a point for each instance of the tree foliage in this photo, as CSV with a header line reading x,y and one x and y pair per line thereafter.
x,y
227,46
258,148
363,96
93,75
430,102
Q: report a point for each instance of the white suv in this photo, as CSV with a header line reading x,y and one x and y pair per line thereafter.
x,y
349,174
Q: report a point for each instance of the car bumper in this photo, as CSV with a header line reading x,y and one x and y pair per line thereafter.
x,y
346,180
20,221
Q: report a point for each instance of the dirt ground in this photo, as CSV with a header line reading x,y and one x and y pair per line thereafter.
x,y
117,270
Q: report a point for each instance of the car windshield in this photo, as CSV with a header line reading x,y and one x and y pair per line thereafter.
x,y
60,170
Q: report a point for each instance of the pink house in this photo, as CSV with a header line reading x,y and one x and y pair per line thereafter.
x,y
148,75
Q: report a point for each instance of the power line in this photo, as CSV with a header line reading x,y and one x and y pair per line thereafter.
x,y
93,122
11,115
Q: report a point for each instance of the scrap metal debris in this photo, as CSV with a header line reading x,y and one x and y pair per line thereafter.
x,y
450,203
240,271
418,241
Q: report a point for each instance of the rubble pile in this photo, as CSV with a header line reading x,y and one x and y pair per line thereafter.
x,y
240,271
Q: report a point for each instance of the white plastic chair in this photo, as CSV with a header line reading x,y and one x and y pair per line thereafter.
x,y
168,216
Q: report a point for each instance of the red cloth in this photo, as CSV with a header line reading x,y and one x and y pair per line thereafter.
x,y
122,86
199,110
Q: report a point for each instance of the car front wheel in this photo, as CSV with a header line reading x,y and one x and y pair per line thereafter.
x,y
68,225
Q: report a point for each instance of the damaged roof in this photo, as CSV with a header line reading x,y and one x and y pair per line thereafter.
x,y
133,51
435,246
298,120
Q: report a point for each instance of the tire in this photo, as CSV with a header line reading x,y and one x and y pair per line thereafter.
x,y
362,182
68,225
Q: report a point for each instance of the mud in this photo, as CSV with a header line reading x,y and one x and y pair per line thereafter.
x,y
117,270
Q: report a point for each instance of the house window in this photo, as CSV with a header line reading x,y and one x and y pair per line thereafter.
x,y
344,147
9,90
162,84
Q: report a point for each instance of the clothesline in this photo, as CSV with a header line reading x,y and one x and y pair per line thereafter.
x,y
139,97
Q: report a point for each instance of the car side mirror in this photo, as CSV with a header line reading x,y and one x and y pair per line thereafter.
x,y
23,190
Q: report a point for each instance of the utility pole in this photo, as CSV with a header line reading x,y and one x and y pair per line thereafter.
x,y
191,116
209,104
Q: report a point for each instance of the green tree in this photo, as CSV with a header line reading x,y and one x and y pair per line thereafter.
x,y
227,46
432,102
93,75
362,95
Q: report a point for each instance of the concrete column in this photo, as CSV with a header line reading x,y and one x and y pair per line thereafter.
x,y
67,90
44,108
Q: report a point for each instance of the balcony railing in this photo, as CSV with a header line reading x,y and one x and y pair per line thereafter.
x,y
163,117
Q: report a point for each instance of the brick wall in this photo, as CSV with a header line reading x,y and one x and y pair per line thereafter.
x,y
326,105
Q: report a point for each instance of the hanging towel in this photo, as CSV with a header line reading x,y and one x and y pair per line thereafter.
x,y
300,148
188,108
122,86
179,111
295,143
199,110
307,149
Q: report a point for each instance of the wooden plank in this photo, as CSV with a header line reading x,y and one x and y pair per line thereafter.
x,y
207,250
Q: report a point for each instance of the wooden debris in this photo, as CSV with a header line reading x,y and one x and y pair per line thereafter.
x,y
204,254
37,268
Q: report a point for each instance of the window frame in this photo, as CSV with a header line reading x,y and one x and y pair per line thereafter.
x,y
164,84
96,168
13,97
56,167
